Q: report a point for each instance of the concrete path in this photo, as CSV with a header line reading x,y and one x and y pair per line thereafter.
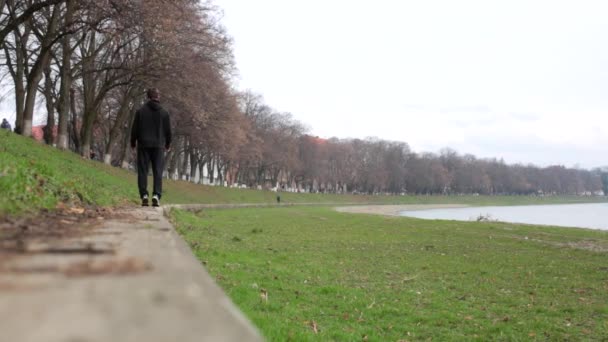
x,y
131,279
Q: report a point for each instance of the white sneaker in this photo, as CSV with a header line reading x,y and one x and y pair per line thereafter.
x,y
155,201
144,201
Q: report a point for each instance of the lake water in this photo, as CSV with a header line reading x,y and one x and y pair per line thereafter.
x,y
593,216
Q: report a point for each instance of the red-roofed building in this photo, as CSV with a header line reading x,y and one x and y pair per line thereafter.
x,y
38,132
316,140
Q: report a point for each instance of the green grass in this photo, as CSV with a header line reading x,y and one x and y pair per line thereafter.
x,y
34,176
391,279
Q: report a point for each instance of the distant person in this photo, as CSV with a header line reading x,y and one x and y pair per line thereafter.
x,y
151,134
5,125
279,199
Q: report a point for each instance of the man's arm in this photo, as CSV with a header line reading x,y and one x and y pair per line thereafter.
x,y
167,127
134,130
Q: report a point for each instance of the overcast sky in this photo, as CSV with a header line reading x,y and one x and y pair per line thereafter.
x,y
523,80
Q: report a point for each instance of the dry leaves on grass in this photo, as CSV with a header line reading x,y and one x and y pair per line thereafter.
x,y
264,295
75,211
314,326
68,208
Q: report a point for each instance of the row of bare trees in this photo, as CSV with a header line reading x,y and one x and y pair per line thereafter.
x,y
272,149
86,64
90,61
380,166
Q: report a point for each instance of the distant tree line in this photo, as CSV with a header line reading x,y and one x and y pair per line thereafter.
x,y
87,64
379,166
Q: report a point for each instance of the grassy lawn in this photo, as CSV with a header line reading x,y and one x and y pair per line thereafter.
x,y
363,277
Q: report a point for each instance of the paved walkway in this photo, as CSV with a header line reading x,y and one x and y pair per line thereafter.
x,y
132,279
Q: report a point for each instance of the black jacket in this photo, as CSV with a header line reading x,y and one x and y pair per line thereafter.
x,y
152,127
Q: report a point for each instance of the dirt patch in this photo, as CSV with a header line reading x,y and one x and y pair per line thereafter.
x,y
85,268
53,232
118,266
589,245
394,210
67,242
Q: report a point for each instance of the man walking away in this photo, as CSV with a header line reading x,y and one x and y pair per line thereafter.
x,y
5,125
151,134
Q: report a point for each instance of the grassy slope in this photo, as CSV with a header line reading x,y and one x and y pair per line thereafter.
x,y
401,278
34,176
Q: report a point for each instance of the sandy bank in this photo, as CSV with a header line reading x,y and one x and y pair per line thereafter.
x,y
394,210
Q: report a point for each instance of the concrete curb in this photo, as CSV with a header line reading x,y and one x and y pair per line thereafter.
x,y
148,287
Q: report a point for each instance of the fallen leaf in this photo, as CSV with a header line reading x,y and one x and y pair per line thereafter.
x,y
75,210
264,295
314,326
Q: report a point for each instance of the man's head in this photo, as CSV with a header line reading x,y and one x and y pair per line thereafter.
x,y
153,94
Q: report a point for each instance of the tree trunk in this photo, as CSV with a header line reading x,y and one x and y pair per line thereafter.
x,y
260,176
86,132
19,105
173,158
168,162
19,87
74,131
90,95
49,129
211,170
220,171
66,82
202,166
30,101
33,79
18,69
122,115
184,165
193,164
126,141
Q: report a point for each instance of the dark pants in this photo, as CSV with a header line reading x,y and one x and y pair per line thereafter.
x,y
145,156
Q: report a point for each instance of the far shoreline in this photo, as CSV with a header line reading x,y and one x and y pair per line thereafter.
x,y
394,210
